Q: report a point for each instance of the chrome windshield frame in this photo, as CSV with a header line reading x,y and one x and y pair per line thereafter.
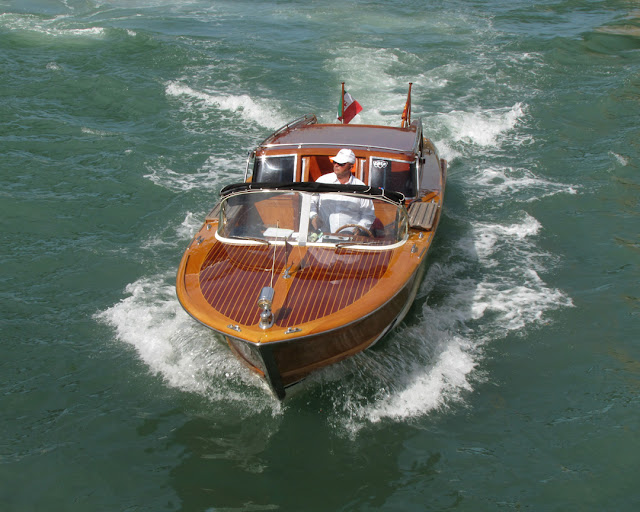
x,y
302,237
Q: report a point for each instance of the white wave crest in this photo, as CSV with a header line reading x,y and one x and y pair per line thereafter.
x,y
189,226
187,356
50,27
425,391
514,184
261,112
216,171
621,159
487,235
483,128
516,305
511,288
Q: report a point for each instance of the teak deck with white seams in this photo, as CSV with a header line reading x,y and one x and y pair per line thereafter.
x,y
315,291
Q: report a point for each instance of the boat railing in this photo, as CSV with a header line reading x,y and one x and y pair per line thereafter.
x,y
302,145
300,121
416,125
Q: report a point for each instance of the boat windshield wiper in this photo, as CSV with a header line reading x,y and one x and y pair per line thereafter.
x,y
251,239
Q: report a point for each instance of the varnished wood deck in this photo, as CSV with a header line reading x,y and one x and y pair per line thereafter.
x,y
231,278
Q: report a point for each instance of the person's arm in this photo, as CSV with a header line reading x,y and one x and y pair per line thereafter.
x,y
367,212
314,218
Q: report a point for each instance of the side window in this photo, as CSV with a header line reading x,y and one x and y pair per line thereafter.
x,y
315,166
274,169
394,175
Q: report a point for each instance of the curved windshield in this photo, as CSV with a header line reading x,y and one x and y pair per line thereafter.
x,y
267,216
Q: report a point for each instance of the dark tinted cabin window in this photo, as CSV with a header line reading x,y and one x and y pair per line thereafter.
x,y
397,176
274,168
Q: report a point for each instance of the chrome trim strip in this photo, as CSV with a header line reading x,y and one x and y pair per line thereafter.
x,y
368,147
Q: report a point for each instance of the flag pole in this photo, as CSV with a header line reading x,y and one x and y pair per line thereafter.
x,y
406,113
342,105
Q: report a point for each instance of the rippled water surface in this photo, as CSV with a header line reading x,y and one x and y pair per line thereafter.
x,y
513,383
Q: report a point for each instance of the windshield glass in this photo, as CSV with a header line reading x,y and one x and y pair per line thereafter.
x,y
274,169
311,218
394,175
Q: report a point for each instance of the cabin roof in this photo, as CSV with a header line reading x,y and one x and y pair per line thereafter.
x,y
404,140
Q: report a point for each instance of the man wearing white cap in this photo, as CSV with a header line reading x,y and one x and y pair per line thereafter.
x,y
342,164
336,211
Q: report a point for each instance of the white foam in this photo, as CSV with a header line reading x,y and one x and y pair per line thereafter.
x,y
516,305
514,184
186,355
487,235
91,131
216,171
356,64
420,368
622,160
189,226
485,127
50,27
91,31
511,288
428,390
384,98
263,112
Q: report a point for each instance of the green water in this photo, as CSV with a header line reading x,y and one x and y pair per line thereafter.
x,y
513,383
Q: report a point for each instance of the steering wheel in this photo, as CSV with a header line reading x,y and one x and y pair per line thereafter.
x,y
357,226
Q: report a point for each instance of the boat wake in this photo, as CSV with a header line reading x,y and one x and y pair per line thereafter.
x,y
481,287
185,354
516,184
60,26
474,295
201,103
483,281
216,172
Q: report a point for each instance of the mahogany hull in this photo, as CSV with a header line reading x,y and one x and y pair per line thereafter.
x,y
330,297
285,363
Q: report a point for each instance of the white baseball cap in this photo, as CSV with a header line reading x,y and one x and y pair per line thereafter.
x,y
344,156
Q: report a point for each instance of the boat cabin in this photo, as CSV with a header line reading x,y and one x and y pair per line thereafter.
x,y
386,157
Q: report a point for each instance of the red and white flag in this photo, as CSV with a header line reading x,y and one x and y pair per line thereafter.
x,y
348,108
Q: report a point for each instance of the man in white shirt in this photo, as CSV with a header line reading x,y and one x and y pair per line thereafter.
x,y
338,210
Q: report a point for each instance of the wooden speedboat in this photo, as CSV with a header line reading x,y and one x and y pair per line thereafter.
x,y
290,298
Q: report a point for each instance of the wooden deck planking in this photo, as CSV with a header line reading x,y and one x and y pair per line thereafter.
x,y
231,280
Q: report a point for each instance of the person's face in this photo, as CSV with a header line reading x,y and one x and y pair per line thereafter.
x,y
342,170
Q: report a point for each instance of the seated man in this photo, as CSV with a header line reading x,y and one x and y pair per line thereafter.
x,y
333,211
